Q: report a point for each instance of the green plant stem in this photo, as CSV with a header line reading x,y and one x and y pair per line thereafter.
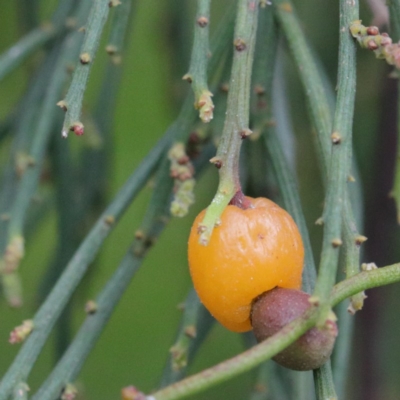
x,y
324,386
320,98
237,116
68,236
261,389
119,26
320,110
197,74
73,100
342,352
339,165
30,178
394,10
16,54
273,345
28,13
25,119
321,118
195,324
71,363
51,309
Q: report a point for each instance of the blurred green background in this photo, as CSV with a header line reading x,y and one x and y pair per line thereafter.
x,y
134,347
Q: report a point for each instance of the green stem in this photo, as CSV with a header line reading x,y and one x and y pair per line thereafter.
x,y
320,110
237,116
273,345
51,309
196,322
119,26
41,135
324,386
394,9
339,165
72,103
197,74
15,55
74,358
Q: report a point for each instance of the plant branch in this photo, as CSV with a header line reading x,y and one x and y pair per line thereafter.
x,y
339,165
237,116
394,12
324,386
16,54
197,74
72,103
119,27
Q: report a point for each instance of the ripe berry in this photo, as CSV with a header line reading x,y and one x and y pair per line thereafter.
x,y
251,251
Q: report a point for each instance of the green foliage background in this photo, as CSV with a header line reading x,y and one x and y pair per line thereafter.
x,y
134,346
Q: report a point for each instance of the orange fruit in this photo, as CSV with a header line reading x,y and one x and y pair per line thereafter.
x,y
252,251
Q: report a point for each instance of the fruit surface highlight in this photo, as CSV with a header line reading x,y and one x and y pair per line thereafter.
x,y
251,251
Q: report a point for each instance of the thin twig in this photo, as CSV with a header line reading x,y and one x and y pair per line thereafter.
x,y
15,55
339,165
72,103
237,116
197,74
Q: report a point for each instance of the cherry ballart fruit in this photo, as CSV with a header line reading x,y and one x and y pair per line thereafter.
x,y
252,250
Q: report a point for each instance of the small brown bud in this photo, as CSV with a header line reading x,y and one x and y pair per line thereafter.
x,y
372,30
372,45
69,392
21,332
85,58
90,307
239,44
360,239
78,128
187,77
216,161
191,331
131,393
245,133
63,105
224,87
111,49
319,221
259,90
109,220
114,3
337,242
336,138
202,22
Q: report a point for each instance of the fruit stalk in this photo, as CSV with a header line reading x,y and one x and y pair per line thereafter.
x,y
236,126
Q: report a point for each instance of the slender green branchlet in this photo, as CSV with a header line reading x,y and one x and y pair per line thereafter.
x,y
197,74
236,127
72,104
